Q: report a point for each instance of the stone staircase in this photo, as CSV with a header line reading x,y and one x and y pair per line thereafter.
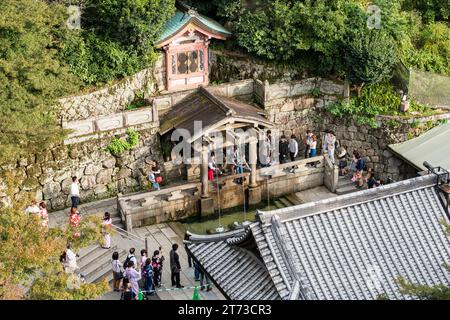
x,y
286,201
95,262
345,186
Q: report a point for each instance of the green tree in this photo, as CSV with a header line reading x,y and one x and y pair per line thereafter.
x,y
431,10
31,77
116,38
369,57
29,255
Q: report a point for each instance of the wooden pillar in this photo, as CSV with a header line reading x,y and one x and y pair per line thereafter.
x,y
254,191
204,171
253,156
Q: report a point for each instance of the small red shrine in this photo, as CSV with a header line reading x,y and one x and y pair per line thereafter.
x,y
185,40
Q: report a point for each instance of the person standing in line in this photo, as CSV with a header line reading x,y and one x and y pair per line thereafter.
x,y
204,281
175,267
308,141
284,149
43,214
130,258
133,277
33,208
147,275
106,227
370,178
324,141
143,259
331,145
313,146
157,261
127,292
74,222
293,150
152,179
360,163
75,192
117,269
196,272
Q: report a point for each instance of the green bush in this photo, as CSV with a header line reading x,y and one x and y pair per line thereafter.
x,y
118,146
116,39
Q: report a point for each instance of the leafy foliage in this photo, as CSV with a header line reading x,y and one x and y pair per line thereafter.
x,y
28,251
54,286
31,77
431,49
431,10
369,57
376,99
116,38
118,146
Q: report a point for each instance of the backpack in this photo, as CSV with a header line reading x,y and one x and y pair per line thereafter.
x,y
127,260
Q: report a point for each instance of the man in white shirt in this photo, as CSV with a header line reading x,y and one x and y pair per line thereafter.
x,y
293,149
33,208
71,260
75,192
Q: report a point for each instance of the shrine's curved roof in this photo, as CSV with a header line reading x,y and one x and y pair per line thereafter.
x,y
185,15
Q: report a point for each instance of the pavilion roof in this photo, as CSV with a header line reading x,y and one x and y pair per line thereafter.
x,y
185,15
213,111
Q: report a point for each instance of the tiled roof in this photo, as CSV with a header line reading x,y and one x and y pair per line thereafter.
x,y
183,16
351,247
432,146
236,271
355,246
203,106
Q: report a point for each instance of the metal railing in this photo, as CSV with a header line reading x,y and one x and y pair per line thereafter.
x,y
128,234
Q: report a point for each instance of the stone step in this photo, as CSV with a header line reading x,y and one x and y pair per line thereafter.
x,y
349,189
286,202
102,268
344,181
278,204
84,253
293,199
96,255
116,221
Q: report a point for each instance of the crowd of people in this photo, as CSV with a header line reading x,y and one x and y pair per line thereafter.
x,y
144,275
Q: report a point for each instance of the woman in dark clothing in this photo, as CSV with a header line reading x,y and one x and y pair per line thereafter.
x,y
157,261
127,293
147,274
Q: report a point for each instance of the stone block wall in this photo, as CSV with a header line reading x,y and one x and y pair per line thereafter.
x,y
114,98
100,174
231,66
296,114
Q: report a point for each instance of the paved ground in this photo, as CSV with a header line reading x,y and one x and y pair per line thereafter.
x,y
98,207
314,194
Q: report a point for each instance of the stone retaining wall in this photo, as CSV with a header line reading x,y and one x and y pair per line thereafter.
x,y
115,98
101,174
294,115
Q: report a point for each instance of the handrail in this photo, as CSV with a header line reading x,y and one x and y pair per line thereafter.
x,y
129,233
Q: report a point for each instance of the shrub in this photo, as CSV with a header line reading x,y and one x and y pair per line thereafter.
x,y
118,146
